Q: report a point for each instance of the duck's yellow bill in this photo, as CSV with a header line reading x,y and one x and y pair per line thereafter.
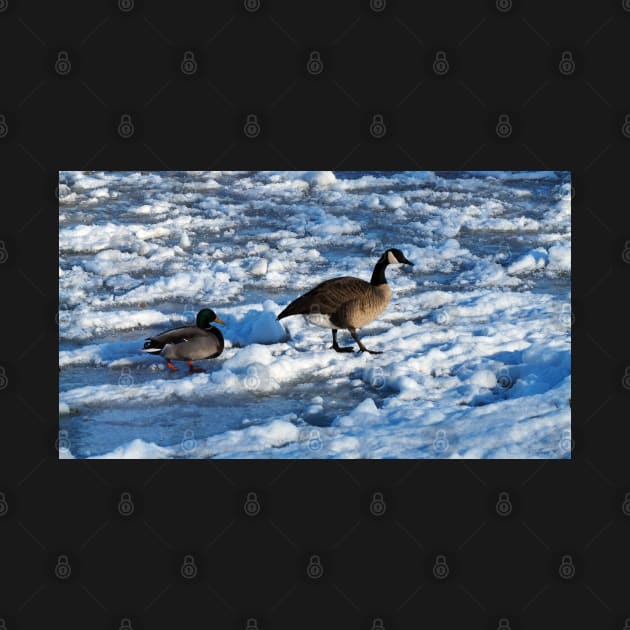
x,y
219,321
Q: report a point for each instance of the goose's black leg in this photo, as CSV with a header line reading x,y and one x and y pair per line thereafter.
x,y
336,346
362,348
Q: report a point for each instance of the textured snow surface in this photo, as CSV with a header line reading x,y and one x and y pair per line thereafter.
x,y
476,339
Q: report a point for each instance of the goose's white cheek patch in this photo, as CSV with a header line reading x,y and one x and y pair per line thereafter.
x,y
391,259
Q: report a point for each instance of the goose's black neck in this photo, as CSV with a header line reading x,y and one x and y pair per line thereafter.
x,y
378,275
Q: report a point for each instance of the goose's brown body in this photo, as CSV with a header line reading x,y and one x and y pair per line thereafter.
x,y
348,303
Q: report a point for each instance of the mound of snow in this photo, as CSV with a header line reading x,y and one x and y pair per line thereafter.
x,y
560,258
260,327
138,449
533,260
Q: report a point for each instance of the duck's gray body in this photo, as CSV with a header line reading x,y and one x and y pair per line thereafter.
x,y
188,343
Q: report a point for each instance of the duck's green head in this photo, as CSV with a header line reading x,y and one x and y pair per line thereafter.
x,y
206,317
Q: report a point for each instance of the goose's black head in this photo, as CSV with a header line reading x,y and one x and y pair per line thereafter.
x,y
206,317
389,257
394,256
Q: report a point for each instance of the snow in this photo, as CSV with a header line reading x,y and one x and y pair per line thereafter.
x,y
560,257
476,340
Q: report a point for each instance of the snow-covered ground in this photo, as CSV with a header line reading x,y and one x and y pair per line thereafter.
x,y
476,340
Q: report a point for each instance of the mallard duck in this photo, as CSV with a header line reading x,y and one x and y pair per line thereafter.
x,y
348,302
189,343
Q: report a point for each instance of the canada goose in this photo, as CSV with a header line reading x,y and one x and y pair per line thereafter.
x,y
189,343
348,302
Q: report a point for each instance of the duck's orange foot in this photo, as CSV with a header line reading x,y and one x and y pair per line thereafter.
x,y
171,367
193,369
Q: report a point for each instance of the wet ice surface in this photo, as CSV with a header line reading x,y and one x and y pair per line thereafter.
x,y
476,338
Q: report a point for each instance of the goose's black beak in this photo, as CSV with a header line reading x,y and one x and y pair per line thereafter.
x,y
406,262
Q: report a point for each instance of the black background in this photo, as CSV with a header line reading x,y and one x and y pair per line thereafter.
x,y
375,59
